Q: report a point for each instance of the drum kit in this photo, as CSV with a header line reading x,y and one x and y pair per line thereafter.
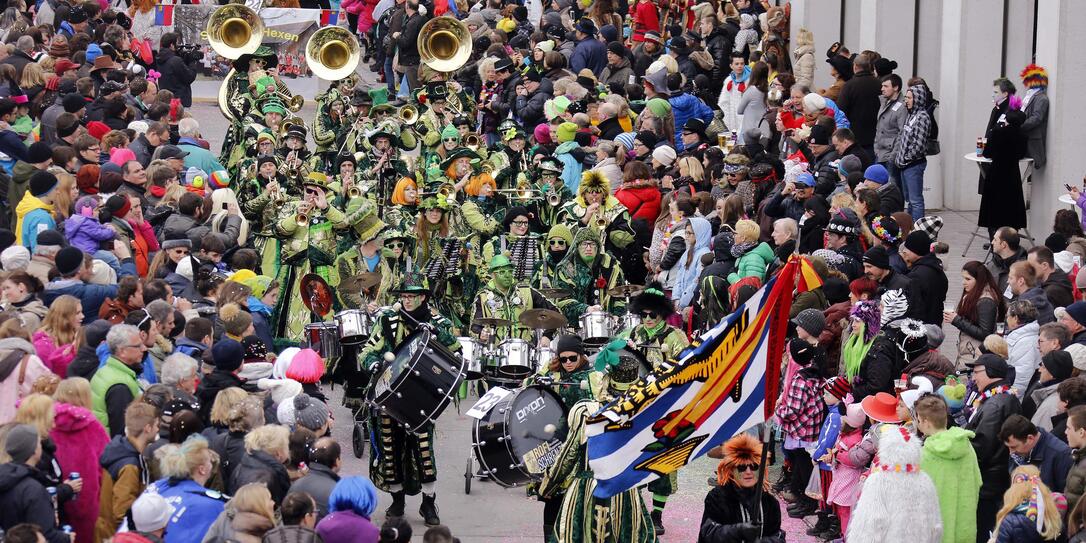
x,y
348,327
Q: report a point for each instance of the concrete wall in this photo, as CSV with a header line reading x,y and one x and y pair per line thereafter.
x,y
960,47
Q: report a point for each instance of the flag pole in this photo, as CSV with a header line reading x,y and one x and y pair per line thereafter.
x,y
756,511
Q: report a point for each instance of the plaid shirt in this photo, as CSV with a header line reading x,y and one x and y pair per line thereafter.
x,y
801,409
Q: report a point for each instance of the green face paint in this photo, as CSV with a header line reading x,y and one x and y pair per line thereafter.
x,y
503,278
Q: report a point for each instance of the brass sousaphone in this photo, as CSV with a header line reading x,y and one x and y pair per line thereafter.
x,y
234,30
332,53
444,44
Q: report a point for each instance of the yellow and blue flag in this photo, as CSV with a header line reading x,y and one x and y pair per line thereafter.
x,y
723,384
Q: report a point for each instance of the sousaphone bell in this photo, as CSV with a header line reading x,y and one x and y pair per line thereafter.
x,y
444,44
332,53
234,30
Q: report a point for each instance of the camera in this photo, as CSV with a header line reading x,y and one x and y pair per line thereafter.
x,y
190,53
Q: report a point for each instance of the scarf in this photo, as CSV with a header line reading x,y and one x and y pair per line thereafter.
x,y
740,249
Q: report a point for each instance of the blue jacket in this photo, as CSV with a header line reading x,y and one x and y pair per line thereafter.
x,y
12,145
685,107
1018,528
1051,456
839,117
198,156
827,437
195,509
571,167
589,53
92,296
33,223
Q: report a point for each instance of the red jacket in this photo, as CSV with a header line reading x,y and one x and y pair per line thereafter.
x,y
645,19
642,198
80,440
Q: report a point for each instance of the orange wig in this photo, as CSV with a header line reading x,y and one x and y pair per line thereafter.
x,y
401,186
741,449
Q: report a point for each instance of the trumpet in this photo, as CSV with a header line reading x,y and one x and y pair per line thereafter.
x,y
353,191
600,223
294,103
553,198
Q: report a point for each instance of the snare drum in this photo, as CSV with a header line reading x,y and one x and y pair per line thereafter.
x,y
630,320
354,326
323,337
419,383
472,353
515,358
512,441
597,327
543,358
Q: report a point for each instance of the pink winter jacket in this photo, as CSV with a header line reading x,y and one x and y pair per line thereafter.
x,y
80,440
11,390
56,357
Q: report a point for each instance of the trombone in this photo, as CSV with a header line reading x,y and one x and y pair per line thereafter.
x,y
523,191
294,103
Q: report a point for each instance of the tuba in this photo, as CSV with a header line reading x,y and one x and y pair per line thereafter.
x,y
444,44
472,141
332,53
408,114
234,30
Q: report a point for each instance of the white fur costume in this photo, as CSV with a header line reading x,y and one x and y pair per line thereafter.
x,y
898,502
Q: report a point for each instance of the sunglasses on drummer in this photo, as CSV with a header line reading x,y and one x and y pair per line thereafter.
x,y
649,314
747,467
573,358
394,245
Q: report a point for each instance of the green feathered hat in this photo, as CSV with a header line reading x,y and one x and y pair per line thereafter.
x,y
264,52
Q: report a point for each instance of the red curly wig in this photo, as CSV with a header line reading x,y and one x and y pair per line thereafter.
x,y
741,449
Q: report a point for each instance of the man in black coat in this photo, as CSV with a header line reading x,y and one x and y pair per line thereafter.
x,y
323,474
22,497
990,373
533,92
926,275
859,99
844,141
407,43
177,75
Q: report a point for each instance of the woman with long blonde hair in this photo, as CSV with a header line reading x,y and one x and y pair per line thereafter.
x,y
38,410
59,336
65,195
1029,513
80,440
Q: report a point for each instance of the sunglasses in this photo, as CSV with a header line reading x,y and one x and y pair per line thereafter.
x,y
520,223
573,358
558,243
649,314
451,140
312,192
747,467
395,245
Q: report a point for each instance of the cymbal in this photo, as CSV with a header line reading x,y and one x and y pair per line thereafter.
x,y
542,319
495,323
554,292
360,282
626,290
316,294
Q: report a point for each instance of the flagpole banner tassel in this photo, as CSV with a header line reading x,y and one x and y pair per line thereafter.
x,y
724,383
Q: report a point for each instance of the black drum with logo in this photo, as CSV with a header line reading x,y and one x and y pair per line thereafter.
x,y
519,438
418,383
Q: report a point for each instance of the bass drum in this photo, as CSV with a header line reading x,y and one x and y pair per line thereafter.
x,y
519,438
418,383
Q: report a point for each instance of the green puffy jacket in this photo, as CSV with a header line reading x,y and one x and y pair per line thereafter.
x,y
949,459
752,264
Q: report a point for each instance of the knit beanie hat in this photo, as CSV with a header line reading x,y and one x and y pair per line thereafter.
x,y
109,178
58,48
21,443
561,231
72,103
97,129
309,412
227,354
659,107
93,51
566,132
1058,363
119,205
877,257
235,320
68,261
837,386
811,321
306,367
51,238
569,343
546,46
877,173
42,183
647,138
450,132
665,154
86,202
39,152
918,242
801,351
617,48
16,257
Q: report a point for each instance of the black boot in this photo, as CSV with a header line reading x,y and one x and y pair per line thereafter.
x,y
658,521
833,531
821,525
397,508
784,481
428,510
803,507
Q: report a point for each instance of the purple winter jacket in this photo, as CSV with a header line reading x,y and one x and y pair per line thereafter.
x,y
86,233
347,527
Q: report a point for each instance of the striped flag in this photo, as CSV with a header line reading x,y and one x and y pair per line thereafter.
x,y
329,17
722,385
164,15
